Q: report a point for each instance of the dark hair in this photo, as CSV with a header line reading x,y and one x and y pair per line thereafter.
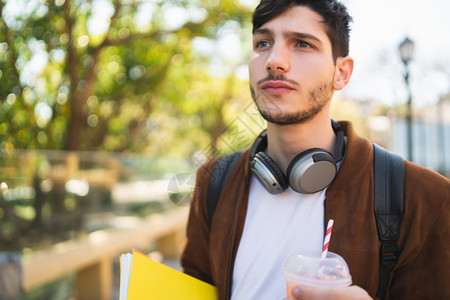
x,y
334,13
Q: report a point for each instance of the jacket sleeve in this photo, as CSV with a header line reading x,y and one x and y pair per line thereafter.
x,y
424,269
195,258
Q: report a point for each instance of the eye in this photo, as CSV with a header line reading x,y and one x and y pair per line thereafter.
x,y
302,44
262,44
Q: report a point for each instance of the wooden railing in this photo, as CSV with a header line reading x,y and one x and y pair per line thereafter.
x,y
91,258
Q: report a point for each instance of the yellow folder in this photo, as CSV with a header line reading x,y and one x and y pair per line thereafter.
x,y
142,278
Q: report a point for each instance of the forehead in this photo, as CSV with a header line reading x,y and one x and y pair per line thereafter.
x,y
297,19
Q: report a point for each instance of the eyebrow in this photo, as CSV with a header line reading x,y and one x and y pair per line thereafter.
x,y
289,34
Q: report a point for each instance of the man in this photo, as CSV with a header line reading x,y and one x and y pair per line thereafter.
x,y
299,58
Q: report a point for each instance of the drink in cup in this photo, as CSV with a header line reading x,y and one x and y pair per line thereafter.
x,y
308,268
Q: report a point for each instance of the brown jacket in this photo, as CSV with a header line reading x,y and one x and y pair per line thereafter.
x,y
423,268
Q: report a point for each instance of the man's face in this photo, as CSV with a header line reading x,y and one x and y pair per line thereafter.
x,y
292,72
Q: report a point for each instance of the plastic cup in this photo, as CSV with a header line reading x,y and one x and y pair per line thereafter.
x,y
306,268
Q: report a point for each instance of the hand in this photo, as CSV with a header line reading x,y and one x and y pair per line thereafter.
x,y
310,293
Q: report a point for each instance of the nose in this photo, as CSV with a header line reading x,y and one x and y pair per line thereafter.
x,y
278,60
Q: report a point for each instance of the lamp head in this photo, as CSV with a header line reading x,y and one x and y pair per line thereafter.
x,y
406,49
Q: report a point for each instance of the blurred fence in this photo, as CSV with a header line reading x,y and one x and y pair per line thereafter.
x,y
91,258
73,213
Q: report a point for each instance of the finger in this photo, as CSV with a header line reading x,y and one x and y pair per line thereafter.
x,y
348,293
310,293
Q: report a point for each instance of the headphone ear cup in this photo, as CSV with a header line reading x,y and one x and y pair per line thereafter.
x,y
311,171
268,173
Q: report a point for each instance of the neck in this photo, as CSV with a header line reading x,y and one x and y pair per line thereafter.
x,y
285,142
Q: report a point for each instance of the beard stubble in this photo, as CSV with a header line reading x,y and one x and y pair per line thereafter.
x,y
318,97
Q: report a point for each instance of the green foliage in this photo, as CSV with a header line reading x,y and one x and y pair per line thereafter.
x,y
116,75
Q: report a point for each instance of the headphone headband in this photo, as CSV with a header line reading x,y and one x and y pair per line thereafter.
x,y
339,148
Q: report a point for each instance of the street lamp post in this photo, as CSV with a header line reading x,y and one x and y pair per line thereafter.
x,y
406,49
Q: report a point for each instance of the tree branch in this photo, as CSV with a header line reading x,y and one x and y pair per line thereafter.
x,y
91,77
72,57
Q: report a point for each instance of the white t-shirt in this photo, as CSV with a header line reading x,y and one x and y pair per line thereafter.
x,y
275,227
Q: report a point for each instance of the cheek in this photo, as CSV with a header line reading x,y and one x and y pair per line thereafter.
x,y
256,63
253,72
312,70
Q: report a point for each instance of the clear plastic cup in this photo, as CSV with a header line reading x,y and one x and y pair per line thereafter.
x,y
305,268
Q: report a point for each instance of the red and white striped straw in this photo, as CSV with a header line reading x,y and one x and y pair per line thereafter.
x,y
326,242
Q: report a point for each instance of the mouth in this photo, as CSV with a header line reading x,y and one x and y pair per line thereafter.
x,y
277,87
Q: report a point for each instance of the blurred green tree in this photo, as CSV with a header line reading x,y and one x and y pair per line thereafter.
x,y
113,74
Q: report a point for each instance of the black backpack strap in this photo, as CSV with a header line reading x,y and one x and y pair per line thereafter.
x,y
217,181
388,187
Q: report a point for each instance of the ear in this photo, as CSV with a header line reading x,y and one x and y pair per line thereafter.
x,y
344,69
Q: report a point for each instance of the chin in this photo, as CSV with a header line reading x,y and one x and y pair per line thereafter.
x,y
286,115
